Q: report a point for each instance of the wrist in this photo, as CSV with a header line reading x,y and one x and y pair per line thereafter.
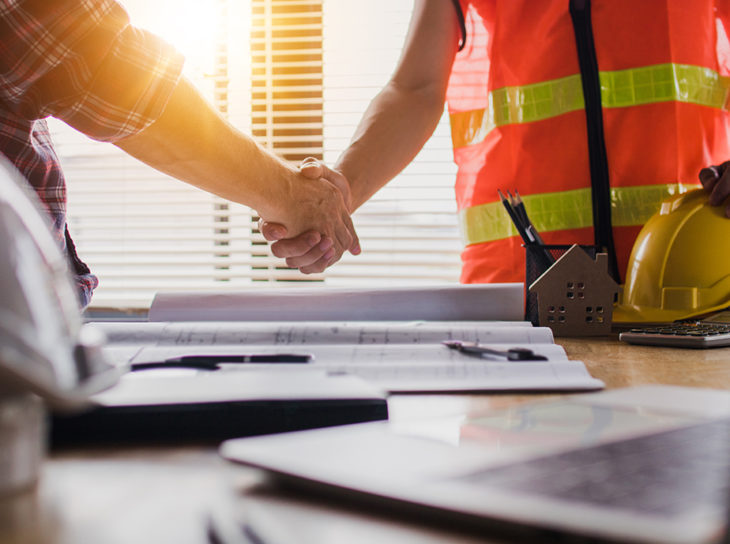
x,y
355,184
278,196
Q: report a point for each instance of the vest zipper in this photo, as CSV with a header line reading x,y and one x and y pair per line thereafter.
x,y
580,13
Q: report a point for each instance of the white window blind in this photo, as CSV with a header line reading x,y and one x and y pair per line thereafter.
x,y
297,75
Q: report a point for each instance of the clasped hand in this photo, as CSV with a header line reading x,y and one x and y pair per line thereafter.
x,y
315,249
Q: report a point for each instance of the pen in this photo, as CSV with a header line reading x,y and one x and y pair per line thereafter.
x,y
256,358
213,362
512,354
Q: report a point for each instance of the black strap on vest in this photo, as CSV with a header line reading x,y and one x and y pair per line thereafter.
x,y
580,13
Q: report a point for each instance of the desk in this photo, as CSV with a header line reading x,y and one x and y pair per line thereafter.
x,y
138,495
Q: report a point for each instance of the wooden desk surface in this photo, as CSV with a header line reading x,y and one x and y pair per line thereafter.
x,y
136,495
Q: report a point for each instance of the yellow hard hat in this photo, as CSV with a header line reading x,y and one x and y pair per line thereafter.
x,y
680,264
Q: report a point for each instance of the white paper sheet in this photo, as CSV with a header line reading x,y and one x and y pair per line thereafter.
x,y
401,368
396,356
503,301
296,333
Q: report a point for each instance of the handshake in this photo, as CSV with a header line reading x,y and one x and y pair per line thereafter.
x,y
316,228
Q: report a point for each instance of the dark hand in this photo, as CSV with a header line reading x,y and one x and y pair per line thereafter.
x,y
716,181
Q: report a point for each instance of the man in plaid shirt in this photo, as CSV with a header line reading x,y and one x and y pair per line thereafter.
x,y
84,63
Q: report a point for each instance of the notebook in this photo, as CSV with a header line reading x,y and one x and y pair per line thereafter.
x,y
647,464
166,405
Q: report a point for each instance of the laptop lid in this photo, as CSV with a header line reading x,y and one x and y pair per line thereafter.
x,y
511,468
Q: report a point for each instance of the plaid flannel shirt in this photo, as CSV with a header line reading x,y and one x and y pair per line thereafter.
x,y
82,62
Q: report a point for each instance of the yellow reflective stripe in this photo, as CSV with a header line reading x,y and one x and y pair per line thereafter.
x,y
510,105
564,210
632,206
620,88
664,83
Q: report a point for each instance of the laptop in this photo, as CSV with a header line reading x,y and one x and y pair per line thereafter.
x,y
645,464
46,349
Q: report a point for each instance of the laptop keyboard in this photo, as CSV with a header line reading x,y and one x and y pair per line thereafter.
x,y
664,473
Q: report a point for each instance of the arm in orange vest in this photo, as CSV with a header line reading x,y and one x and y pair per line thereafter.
x,y
396,124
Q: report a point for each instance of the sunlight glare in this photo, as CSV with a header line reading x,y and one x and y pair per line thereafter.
x,y
191,26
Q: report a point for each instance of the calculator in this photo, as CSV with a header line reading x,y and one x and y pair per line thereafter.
x,y
710,332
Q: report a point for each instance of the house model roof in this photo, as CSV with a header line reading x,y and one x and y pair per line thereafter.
x,y
576,261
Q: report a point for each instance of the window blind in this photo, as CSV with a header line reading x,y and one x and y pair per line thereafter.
x,y
296,74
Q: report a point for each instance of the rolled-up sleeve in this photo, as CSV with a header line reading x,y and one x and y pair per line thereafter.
x,y
84,63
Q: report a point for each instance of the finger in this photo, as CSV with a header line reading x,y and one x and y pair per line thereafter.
x,y
272,231
297,246
354,245
721,190
310,164
322,250
343,239
336,257
312,170
317,267
340,181
320,265
709,176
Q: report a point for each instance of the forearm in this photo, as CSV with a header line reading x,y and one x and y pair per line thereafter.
x,y
393,130
193,143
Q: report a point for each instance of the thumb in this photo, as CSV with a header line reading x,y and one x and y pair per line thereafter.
x,y
312,170
272,231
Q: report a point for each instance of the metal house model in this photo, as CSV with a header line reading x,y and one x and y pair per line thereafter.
x,y
575,295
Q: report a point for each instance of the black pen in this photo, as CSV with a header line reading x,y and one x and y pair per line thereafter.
x,y
255,358
213,362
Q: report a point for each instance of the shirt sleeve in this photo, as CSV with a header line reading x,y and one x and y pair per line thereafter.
x,y
84,63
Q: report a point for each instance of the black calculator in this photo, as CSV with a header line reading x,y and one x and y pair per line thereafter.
x,y
710,332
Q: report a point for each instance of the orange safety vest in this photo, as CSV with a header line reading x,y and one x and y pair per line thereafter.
x,y
529,112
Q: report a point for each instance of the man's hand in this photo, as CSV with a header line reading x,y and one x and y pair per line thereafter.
x,y
716,181
310,251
